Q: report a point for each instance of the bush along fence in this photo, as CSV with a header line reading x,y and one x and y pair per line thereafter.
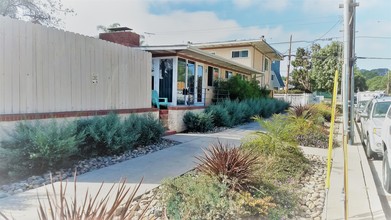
x,y
33,148
230,113
238,88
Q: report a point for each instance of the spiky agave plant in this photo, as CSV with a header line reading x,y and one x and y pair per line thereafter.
x,y
230,164
92,208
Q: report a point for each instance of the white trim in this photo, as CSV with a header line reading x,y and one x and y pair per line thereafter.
x,y
156,73
204,55
175,82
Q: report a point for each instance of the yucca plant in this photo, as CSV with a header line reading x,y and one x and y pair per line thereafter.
x,y
92,208
230,164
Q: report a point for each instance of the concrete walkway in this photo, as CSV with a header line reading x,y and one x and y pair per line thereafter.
x,y
179,159
363,198
153,167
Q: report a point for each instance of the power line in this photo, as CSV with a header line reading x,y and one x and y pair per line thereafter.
x,y
374,37
329,39
339,21
238,28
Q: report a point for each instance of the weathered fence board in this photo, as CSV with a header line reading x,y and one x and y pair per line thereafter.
x,y
48,70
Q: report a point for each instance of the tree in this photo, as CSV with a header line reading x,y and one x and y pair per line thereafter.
x,y
37,11
325,61
360,83
369,74
301,74
377,83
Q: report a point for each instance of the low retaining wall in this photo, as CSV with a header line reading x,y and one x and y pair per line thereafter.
x,y
175,116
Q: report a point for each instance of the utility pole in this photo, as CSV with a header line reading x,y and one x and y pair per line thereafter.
x,y
289,65
345,92
388,82
352,29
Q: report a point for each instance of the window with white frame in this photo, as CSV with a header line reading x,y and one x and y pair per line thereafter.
x,y
239,53
266,65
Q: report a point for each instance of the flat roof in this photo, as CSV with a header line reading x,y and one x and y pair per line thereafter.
x,y
116,29
198,54
259,44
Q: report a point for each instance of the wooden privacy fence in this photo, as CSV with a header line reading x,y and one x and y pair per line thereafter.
x,y
48,70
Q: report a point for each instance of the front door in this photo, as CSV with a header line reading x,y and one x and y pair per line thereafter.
x,y
165,78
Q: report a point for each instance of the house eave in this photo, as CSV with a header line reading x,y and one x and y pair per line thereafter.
x,y
260,45
198,54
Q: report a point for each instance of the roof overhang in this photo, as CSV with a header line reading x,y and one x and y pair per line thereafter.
x,y
260,45
200,55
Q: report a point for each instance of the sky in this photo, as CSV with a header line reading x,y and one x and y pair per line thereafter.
x,y
165,22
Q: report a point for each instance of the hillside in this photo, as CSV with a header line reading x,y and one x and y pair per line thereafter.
x,y
369,74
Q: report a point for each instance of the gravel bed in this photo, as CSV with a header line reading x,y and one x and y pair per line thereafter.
x,y
312,194
81,167
312,191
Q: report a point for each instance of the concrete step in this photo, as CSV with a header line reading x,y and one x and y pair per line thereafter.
x,y
169,132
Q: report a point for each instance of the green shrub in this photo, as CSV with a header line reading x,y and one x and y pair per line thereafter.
x,y
281,106
234,111
281,128
284,196
198,122
324,110
241,89
109,135
230,113
104,135
34,147
247,112
269,108
132,128
220,115
281,154
198,197
151,129
256,207
255,106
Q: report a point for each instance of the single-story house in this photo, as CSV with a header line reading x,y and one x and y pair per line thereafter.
x,y
184,74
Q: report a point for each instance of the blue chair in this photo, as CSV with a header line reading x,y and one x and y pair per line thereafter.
x,y
156,100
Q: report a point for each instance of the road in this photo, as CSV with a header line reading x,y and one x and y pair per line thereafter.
x,y
376,168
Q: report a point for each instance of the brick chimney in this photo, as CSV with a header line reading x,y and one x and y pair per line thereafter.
x,y
121,35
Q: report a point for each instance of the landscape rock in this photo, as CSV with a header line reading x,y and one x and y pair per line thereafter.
x,y
81,167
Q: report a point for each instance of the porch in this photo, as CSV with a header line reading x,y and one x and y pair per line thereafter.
x,y
185,74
